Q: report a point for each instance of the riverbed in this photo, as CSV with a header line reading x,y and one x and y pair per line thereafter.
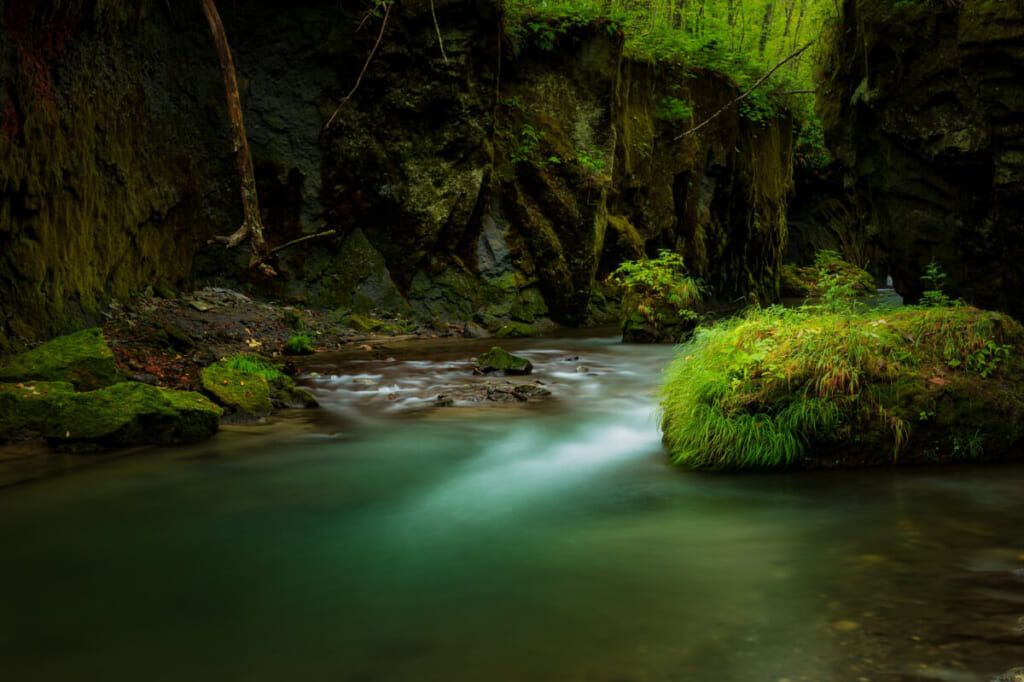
x,y
383,538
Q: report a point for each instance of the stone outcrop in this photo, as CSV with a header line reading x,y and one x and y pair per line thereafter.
x,y
494,183
923,105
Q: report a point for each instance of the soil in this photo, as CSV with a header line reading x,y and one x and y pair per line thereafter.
x,y
166,342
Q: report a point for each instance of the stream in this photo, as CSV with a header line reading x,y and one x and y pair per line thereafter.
x,y
381,539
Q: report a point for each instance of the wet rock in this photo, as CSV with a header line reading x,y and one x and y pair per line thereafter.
x,y
284,394
82,358
499,360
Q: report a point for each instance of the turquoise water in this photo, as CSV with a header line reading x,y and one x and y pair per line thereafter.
x,y
376,540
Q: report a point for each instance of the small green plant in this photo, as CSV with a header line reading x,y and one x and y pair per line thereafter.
x,y
299,344
969,447
529,140
659,288
757,107
985,359
673,110
934,297
590,161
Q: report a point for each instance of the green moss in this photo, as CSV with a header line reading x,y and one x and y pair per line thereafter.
x,y
119,415
82,358
780,388
369,325
244,392
514,330
499,360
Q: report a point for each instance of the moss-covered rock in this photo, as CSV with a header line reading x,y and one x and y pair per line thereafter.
x,y
499,360
515,330
242,392
82,358
814,388
120,415
370,325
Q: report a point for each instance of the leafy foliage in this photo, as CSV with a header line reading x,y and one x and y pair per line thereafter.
x,y
659,288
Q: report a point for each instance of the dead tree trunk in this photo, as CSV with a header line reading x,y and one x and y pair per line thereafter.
x,y
252,225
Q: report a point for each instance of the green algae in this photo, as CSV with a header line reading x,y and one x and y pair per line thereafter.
x,y
82,358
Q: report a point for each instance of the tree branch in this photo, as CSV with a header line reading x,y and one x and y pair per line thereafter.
x,y
252,225
746,94
369,58
438,29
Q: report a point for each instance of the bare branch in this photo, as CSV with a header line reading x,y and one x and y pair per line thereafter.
x,y
369,58
746,94
438,29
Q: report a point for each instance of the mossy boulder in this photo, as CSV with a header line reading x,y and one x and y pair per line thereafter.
x,y
82,358
241,392
116,416
813,388
285,394
499,360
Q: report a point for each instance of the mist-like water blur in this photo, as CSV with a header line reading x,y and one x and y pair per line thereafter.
x,y
382,538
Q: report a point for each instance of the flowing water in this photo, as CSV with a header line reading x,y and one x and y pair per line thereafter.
x,y
378,540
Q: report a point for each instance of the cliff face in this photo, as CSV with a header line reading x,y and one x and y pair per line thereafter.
x,y
923,105
492,182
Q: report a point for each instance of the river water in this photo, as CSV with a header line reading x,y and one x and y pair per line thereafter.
x,y
377,540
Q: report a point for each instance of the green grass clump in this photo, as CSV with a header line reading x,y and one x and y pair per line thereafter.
x,y
299,344
776,387
250,363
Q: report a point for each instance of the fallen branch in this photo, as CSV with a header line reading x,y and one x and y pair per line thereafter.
x,y
746,94
369,58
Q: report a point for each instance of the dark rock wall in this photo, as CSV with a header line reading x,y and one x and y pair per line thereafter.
x,y
474,185
718,196
923,105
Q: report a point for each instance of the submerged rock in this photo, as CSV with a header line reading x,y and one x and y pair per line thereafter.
x,y
120,415
499,360
82,358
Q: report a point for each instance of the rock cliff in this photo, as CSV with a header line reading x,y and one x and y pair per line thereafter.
x,y
923,105
495,181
